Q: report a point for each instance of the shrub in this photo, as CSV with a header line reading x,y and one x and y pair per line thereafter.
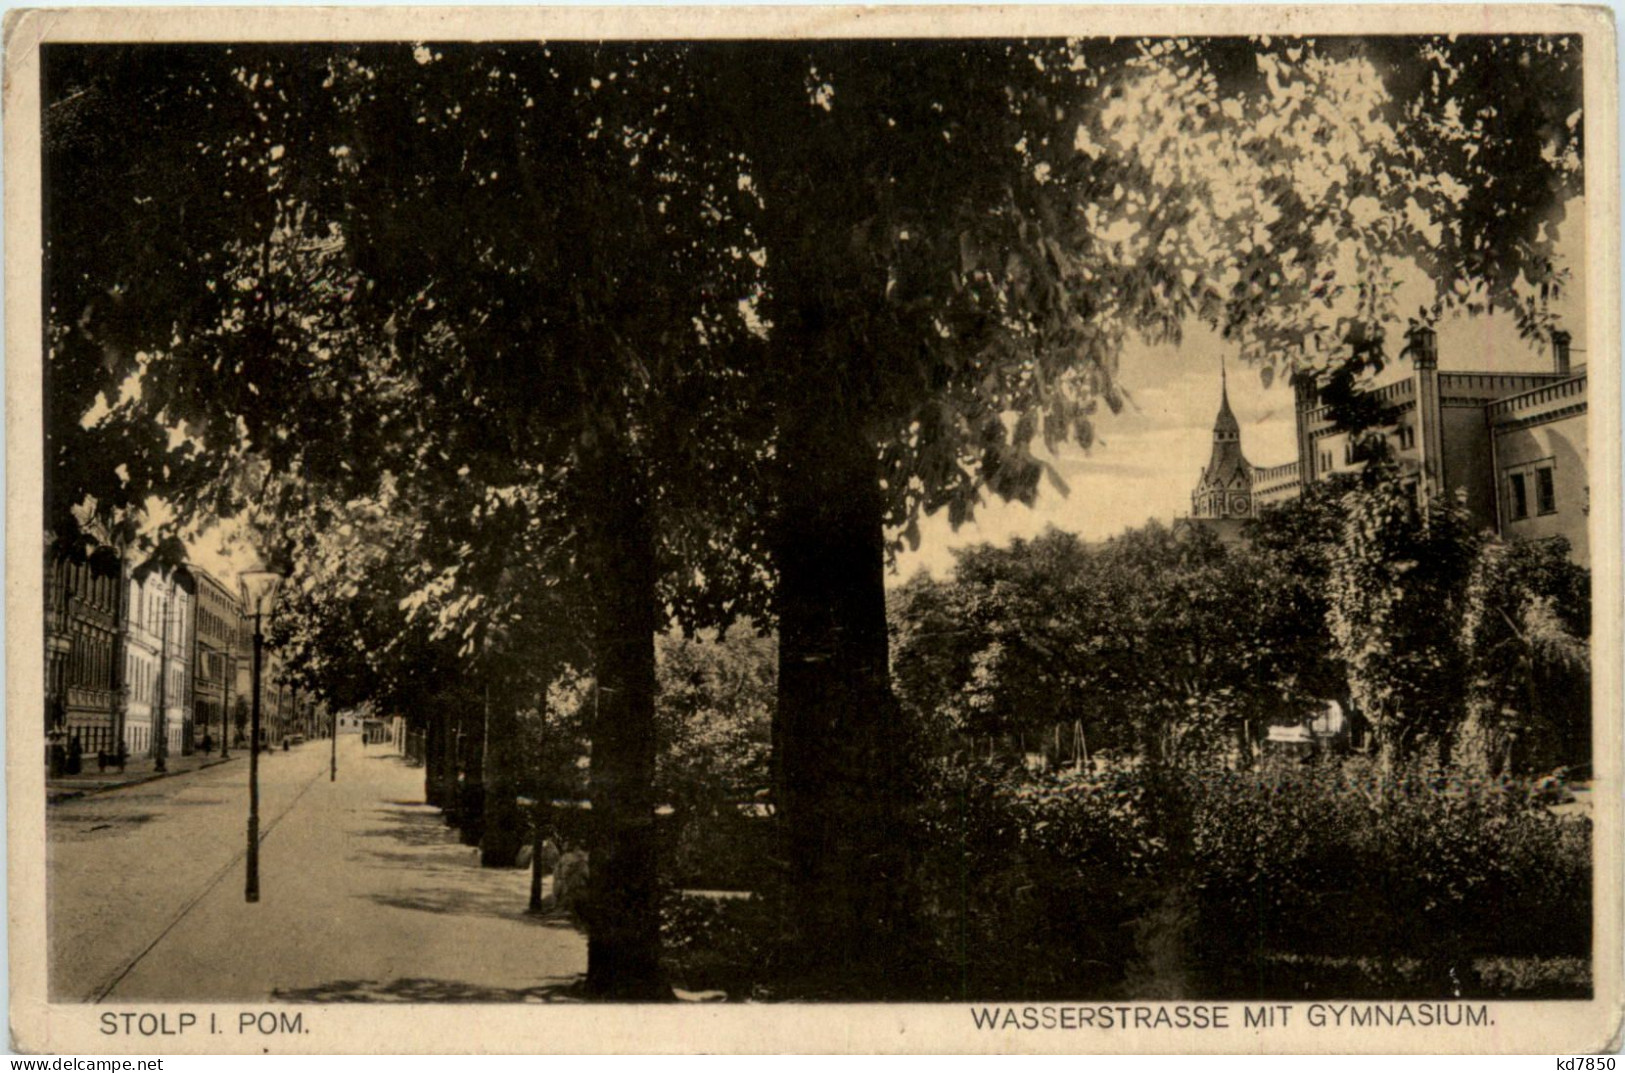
x,y
1320,879
1030,885
719,849
1331,861
718,944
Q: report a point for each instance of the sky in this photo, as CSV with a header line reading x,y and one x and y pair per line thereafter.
x,y
1148,457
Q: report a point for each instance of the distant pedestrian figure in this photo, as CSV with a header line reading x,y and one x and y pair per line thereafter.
x,y
76,755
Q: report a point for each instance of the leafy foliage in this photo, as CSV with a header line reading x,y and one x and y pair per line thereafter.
x,y
1030,885
1157,643
1342,861
1395,586
1525,635
715,708
715,711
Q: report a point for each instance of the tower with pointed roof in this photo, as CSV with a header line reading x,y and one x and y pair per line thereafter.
x,y
1225,489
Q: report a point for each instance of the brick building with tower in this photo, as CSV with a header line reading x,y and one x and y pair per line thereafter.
x,y
1514,445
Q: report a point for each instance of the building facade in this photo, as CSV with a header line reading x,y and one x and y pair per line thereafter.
x,y
214,671
82,626
177,644
1513,445
144,607
158,663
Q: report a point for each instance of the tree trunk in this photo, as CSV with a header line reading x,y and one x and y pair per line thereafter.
x,y
470,771
622,914
447,717
842,795
504,823
434,757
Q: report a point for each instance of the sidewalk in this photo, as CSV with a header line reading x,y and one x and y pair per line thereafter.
x,y
138,770
365,896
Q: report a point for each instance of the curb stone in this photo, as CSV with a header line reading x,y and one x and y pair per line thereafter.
x,y
56,797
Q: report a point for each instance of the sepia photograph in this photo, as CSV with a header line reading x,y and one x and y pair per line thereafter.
x,y
1071,534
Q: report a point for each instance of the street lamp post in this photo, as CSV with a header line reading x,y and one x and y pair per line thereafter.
x,y
333,768
259,594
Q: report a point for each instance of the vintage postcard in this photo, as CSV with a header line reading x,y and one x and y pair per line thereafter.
x,y
1049,529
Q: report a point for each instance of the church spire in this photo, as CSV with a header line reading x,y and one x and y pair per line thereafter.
x,y
1225,426
1225,489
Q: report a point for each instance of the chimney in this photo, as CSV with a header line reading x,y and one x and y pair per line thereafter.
x,y
1560,352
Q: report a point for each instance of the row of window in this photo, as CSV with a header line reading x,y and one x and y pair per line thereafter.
x,y
147,608
138,675
91,660
89,663
1405,434
143,679
210,624
1518,490
87,584
1538,483
212,666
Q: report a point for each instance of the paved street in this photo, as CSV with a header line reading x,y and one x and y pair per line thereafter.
x,y
365,893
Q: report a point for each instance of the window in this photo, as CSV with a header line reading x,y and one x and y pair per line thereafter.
x,y
1545,491
1407,437
1518,501
1325,461
1348,452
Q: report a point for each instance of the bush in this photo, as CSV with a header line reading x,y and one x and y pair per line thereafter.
x,y
1030,885
719,849
718,944
1330,861
1297,880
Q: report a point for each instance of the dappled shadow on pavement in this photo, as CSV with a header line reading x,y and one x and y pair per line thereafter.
x,y
439,875
413,825
420,863
417,989
463,901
